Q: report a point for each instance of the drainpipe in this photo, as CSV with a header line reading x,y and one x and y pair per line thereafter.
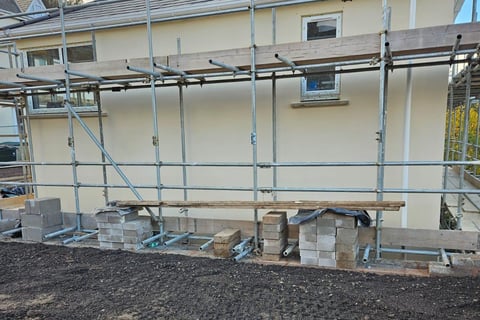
x,y
407,124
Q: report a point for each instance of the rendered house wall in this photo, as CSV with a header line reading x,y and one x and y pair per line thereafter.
x,y
218,117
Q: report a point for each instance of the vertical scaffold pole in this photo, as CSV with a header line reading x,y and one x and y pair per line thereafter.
x,y
184,141
71,139
102,142
155,137
30,144
381,133
253,135
446,156
274,110
466,121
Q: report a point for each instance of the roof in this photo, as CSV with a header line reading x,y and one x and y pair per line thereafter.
x,y
107,13
10,6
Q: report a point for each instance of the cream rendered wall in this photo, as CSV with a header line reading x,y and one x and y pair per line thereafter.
x,y
218,117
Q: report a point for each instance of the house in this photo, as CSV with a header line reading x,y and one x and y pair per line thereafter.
x,y
324,132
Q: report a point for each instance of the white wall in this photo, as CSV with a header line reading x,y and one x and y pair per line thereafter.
x,y
218,118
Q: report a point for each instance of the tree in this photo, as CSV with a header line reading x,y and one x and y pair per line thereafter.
x,y
54,3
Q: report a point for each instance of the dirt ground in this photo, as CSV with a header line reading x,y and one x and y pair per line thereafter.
x,y
40,281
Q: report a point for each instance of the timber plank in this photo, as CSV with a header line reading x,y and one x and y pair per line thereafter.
x,y
365,46
14,202
312,205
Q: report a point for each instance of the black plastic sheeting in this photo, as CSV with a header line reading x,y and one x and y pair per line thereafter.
x,y
306,215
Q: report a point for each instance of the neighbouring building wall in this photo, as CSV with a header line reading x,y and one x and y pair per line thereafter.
x,y
218,118
7,114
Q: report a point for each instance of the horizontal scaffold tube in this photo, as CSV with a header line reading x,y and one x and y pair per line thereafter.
x,y
176,239
59,233
290,248
207,244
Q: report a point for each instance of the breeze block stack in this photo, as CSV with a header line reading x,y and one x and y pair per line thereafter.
x,y
330,240
275,235
122,228
41,217
224,241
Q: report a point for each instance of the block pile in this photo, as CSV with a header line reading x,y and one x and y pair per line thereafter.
x,y
42,216
122,228
330,240
275,235
224,241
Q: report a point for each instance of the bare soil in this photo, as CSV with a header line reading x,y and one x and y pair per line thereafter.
x,y
40,281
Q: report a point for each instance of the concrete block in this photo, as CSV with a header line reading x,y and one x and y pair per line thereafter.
x,y
346,264
347,236
331,263
465,260
36,234
44,220
110,232
326,243
275,227
8,224
275,235
326,231
106,225
280,243
273,250
12,213
309,261
346,222
309,227
325,222
347,255
104,238
307,245
339,247
42,205
116,216
309,253
308,237
275,217
326,255
329,216
227,236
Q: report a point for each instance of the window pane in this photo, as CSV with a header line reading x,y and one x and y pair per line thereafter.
x,y
46,57
322,29
325,81
52,100
80,54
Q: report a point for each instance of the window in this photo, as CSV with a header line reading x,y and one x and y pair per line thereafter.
x,y
52,101
325,84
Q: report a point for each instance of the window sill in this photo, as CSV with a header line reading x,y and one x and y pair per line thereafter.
x,y
320,103
64,115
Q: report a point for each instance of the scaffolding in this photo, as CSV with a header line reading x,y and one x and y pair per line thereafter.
x,y
387,59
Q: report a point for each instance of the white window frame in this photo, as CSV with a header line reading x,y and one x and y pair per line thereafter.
x,y
32,110
321,94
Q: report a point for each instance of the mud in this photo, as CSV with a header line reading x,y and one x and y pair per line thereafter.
x,y
40,281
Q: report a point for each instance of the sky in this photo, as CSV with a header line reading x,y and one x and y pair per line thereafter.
x,y
465,14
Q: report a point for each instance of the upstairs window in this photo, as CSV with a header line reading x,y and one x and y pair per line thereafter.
x,y
51,101
325,85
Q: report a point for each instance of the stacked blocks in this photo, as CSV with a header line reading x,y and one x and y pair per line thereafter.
x,y
275,235
122,228
330,240
42,216
224,241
